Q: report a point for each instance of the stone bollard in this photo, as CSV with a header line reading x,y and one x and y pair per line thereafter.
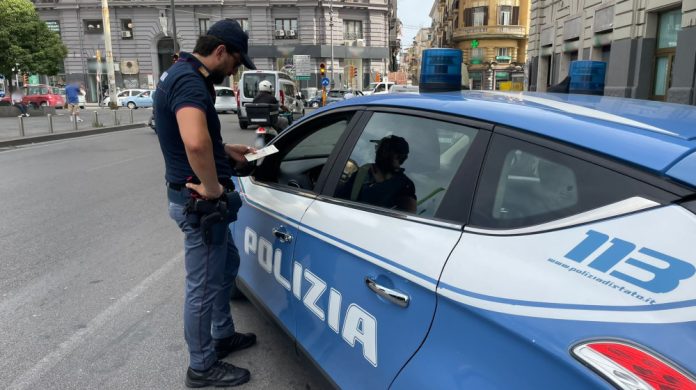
x,y
95,121
50,123
131,116
21,126
116,122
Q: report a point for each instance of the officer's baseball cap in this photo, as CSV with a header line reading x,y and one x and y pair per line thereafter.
x,y
230,32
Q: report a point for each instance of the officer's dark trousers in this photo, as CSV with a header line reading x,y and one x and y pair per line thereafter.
x,y
210,274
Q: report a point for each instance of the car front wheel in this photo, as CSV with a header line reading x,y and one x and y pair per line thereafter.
x,y
131,105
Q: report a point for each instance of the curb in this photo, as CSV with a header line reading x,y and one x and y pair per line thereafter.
x,y
65,135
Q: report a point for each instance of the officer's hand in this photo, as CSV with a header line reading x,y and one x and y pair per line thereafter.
x,y
237,152
207,193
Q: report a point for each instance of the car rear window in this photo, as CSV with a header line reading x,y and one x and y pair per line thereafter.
x,y
525,184
251,82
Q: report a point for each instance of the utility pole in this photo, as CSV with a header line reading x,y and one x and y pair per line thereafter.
x,y
109,55
176,43
332,45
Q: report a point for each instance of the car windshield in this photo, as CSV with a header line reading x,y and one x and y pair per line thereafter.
x,y
252,80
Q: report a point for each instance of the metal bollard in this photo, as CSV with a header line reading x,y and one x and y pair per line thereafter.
x,y
21,126
131,116
50,123
74,122
95,122
115,117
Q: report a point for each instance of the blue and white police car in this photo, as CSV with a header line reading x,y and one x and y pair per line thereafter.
x,y
523,240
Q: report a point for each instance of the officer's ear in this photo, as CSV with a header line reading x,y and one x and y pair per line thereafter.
x,y
220,50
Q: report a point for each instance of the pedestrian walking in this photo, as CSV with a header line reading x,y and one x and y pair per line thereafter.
x,y
202,200
72,94
17,96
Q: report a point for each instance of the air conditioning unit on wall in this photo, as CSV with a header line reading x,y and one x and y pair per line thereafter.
x,y
349,42
360,42
126,34
280,33
291,33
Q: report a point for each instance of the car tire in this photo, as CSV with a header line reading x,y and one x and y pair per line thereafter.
x,y
243,125
131,105
44,104
315,104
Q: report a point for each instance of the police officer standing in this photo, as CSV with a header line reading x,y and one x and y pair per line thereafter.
x,y
202,200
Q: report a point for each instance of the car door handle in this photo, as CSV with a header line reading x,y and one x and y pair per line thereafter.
x,y
282,235
396,297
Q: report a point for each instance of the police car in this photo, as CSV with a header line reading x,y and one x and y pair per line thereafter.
x,y
523,240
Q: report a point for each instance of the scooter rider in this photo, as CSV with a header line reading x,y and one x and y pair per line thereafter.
x,y
202,200
265,95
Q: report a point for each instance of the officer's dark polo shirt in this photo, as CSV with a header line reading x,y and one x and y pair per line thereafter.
x,y
182,85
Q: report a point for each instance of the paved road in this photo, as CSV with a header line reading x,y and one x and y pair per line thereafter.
x,y
91,288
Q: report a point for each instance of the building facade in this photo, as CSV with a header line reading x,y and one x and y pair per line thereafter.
x,y
421,41
356,32
492,35
649,45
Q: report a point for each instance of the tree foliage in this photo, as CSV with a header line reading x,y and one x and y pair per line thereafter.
x,y
26,40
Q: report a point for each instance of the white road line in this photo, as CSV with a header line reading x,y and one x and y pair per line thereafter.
x,y
30,376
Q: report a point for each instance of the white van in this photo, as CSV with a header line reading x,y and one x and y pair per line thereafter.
x,y
378,88
283,87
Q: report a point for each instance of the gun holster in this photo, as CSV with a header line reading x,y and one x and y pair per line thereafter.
x,y
213,216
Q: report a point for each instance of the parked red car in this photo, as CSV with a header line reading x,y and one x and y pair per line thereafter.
x,y
43,95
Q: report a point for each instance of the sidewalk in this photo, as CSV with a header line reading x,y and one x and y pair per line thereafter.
x,y
38,129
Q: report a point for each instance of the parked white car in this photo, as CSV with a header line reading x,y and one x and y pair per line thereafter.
x,y
123,95
225,100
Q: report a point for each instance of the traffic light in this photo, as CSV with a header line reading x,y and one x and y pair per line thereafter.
x,y
25,79
354,72
322,69
378,77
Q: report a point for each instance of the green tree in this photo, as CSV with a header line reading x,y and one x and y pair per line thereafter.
x,y
26,40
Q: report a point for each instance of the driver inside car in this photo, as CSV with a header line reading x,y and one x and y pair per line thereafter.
x,y
383,183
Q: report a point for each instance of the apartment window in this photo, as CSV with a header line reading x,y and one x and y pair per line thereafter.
x,y
477,16
93,26
126,29
505,15
203,26
504,55
477,55
352,29
480,16
244,23
286,28
54,26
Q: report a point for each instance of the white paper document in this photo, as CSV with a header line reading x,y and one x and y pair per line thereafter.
x,y
268,150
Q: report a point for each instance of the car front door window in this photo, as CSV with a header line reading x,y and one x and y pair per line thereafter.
x,y
304,152
404,163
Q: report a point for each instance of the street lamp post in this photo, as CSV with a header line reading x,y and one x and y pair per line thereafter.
x,y
106,22
16,70
176,43
332,45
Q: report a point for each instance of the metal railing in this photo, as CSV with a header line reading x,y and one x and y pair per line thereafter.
x,y
467,32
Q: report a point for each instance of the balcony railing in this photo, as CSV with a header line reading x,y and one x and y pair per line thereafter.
x,y
488,31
